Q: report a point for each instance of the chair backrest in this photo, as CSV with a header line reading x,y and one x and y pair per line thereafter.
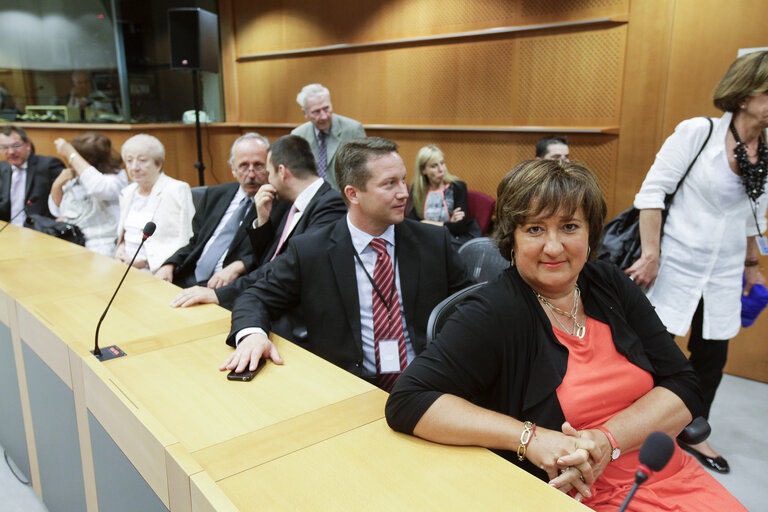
x,y
197,195
481,207
442,311
482,259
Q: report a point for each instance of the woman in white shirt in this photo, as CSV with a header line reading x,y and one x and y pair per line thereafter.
x,y
693,273
155,197
86,193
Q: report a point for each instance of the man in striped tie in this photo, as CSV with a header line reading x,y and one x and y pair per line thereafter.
x,y
366,284
324,130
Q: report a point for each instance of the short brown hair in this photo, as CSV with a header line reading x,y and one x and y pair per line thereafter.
x,y
351,166
97,151
536,187
747,76
294,152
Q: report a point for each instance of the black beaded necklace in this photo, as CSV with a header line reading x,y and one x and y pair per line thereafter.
x,y
753,176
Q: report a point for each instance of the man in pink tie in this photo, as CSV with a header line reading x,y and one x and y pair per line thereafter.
x,y
25,178
292,176
365,284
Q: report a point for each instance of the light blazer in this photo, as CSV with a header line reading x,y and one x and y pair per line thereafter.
x,y
170,202
41,173
342,130
317,271
326,206
210,211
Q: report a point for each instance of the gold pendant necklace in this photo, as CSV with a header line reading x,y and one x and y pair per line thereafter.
x,y
579,329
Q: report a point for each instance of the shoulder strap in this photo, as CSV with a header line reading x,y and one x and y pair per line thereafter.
x,y
709,134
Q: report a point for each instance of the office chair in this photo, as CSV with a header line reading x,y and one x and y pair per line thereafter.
x,y
482,259
445,308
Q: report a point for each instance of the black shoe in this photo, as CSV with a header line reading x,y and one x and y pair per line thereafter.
x,y
718,463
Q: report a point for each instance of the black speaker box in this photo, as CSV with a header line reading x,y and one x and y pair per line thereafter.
x,y
193,35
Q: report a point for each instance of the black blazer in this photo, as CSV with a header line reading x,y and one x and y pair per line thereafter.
x,y
499,351
41,173
326,206
317,271
207,217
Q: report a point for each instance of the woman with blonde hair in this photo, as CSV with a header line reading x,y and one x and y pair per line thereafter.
x,y
440,198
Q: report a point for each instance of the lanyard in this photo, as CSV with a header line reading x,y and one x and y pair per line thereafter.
x,y
387,303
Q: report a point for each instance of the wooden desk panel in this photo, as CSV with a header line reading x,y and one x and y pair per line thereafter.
x,y
374,468
183,388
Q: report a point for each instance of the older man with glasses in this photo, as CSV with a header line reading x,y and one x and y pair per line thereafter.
x,y
25,178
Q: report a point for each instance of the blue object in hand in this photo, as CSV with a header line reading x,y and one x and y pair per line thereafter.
x,y
753,304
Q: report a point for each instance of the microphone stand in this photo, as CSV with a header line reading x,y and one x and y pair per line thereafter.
x,y
113,351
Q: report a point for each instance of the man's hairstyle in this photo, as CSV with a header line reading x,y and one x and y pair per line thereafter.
x,y
310,92
352,161
246,136
148,145
97,150
547,187
544,142
294,152
8,129
747,76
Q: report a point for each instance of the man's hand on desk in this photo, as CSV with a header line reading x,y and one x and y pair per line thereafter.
x,y
248,353
195,295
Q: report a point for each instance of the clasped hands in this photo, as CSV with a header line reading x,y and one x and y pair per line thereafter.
x,y
573,459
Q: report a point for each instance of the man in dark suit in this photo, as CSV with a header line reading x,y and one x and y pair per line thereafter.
x,y
313,203
363,312
25,178
219,251
324,130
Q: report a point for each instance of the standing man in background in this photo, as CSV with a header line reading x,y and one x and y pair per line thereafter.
x,y
324,130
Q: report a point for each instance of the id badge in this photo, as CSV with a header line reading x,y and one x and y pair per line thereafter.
x,y
762,244
389,356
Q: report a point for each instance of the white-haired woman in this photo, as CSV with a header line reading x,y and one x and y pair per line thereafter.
x,y
152,196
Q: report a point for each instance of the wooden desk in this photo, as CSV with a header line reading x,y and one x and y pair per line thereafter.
x,y
162,428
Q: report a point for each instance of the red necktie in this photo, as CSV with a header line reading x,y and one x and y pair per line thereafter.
x,y
387,318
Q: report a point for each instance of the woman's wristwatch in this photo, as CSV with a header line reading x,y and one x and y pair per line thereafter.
x,y
616,451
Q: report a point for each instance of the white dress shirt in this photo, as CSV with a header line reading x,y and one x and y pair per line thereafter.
x,y
233,206
18,193
361,242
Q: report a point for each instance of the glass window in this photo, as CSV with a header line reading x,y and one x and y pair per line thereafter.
x,y
67,62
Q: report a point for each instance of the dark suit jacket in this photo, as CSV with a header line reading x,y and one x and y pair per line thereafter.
x,y
325,207
207,217
318,272
41,173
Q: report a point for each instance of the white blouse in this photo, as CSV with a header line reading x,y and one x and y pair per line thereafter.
x,y
705,234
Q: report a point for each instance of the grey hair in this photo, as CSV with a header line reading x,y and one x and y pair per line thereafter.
x,y
311,91
246,136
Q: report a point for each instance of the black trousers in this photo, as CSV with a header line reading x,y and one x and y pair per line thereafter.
x,y
708,359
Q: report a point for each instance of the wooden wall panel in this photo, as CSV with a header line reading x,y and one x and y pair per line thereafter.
x,y
482,159
568,77
279,25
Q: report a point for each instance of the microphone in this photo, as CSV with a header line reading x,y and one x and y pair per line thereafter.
x,y
113,351
29,203
654,455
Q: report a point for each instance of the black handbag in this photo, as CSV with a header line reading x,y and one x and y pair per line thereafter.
x,y
53,227
620,243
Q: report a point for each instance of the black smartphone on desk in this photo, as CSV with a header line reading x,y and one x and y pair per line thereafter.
x,y
246,375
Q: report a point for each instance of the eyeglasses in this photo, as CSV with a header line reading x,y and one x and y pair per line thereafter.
x,y
243,168
12,146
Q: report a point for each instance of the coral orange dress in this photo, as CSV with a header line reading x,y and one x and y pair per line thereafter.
x,y
599,383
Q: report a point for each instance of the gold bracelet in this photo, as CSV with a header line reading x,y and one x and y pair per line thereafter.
x,y
525,438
